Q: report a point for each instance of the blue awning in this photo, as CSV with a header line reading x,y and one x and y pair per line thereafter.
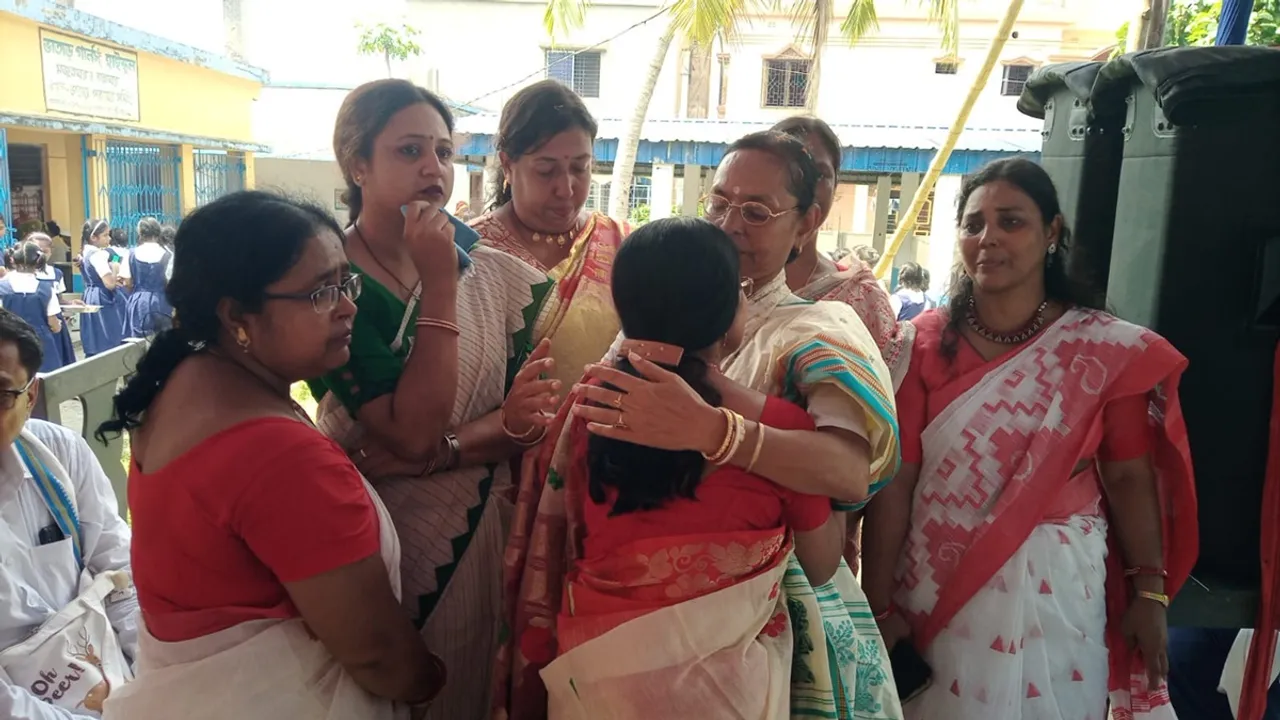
x,y
1233,22
866,148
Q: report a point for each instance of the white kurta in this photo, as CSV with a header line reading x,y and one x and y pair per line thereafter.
x,y
38,580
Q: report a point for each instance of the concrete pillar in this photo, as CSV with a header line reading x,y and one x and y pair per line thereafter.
x,y
880,231
691,192
942,237
662,191
99,200
250,174
861,204
187,179
906,195
59,195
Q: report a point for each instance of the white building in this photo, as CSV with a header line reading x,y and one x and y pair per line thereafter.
x,y
891,98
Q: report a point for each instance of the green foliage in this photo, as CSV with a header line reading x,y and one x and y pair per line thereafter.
x,y
639,215
1194,23
390,42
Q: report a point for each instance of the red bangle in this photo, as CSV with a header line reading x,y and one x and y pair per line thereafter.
x,y
885,615
1135,571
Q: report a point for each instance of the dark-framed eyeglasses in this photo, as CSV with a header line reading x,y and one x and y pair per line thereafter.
x,y
718,207
326,298
9,398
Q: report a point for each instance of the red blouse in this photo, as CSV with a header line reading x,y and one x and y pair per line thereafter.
x,y
728,500
1126,431
218,530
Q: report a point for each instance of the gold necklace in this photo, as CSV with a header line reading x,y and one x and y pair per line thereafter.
x,y
558,239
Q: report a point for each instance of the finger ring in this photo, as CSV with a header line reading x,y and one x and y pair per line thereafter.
x,y
363,455
617,403
621,424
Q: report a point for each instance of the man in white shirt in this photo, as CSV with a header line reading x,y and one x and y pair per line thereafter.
x,y
40,572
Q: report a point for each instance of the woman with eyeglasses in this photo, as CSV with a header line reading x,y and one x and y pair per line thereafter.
x,y
439,342
267,570
819,354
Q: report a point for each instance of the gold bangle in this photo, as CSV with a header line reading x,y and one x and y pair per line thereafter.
x,y
755,454
728,435
1157,597
523,440
438,324
737,432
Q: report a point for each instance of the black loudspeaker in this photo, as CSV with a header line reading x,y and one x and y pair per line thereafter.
x,y
1082,153
1196,257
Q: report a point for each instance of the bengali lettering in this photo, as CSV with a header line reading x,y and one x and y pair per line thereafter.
x,y
86,78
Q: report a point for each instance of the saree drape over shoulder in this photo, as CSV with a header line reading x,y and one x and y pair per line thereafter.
x,y
577,313
1008,578
452,525
858,288
838,665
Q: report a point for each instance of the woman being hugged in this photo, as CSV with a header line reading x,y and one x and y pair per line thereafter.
x,y
1045,510
545,143
714,615
267,571
816,354
438,340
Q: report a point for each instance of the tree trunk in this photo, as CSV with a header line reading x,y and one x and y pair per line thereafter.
x,y
821,29
699,100
386,57
908,216
625,161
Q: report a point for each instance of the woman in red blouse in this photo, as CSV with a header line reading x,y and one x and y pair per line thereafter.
x,y
1036,432
673,604
266,570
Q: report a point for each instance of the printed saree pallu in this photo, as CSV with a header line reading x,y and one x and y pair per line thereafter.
x,y
1007,560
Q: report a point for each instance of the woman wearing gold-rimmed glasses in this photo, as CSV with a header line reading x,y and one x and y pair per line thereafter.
x,y
816,353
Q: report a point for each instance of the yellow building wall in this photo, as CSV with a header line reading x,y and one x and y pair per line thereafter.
x,y
63,173
173,96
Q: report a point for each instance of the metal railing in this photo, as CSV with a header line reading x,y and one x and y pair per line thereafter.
x,y
93,382
217,173
142,181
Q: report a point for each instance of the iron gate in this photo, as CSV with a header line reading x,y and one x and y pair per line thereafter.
x,y
217,173
6,238
142,181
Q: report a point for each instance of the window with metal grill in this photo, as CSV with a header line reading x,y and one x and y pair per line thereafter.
x,y
578,70
1015,78
786,83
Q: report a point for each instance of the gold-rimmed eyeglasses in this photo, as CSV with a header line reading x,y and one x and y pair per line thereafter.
x,y
718,207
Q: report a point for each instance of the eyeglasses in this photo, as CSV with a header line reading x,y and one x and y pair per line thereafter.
x,y
716,207
325,298
9,398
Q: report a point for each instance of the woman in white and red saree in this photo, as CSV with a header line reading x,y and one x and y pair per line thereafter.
x,y
1046,494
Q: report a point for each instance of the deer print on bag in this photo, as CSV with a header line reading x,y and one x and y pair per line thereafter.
x,y
97,694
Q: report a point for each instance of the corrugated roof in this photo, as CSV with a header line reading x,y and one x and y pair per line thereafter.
x,y
920,137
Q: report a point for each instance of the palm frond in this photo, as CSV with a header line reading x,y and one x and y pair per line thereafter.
x,y
702,20
947,14
562,16
812,21
861,20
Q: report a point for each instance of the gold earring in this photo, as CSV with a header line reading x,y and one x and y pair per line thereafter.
x,y
242,339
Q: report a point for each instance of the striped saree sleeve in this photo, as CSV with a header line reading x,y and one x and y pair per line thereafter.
x,y
860,374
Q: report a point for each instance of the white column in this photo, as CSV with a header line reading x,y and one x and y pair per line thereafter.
x,y
942,236
907,193
880,235
861,207
691,191
662,191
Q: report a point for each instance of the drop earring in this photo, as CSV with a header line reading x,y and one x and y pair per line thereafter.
x,y
242,339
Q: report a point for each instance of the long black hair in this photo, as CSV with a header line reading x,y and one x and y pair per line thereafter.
x,y
530,118
1059,286
675,281
364,114
234,248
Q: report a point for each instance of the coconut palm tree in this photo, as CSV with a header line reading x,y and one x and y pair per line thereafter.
x,y
702,21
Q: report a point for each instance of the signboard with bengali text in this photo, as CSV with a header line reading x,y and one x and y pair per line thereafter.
x,y
87,78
